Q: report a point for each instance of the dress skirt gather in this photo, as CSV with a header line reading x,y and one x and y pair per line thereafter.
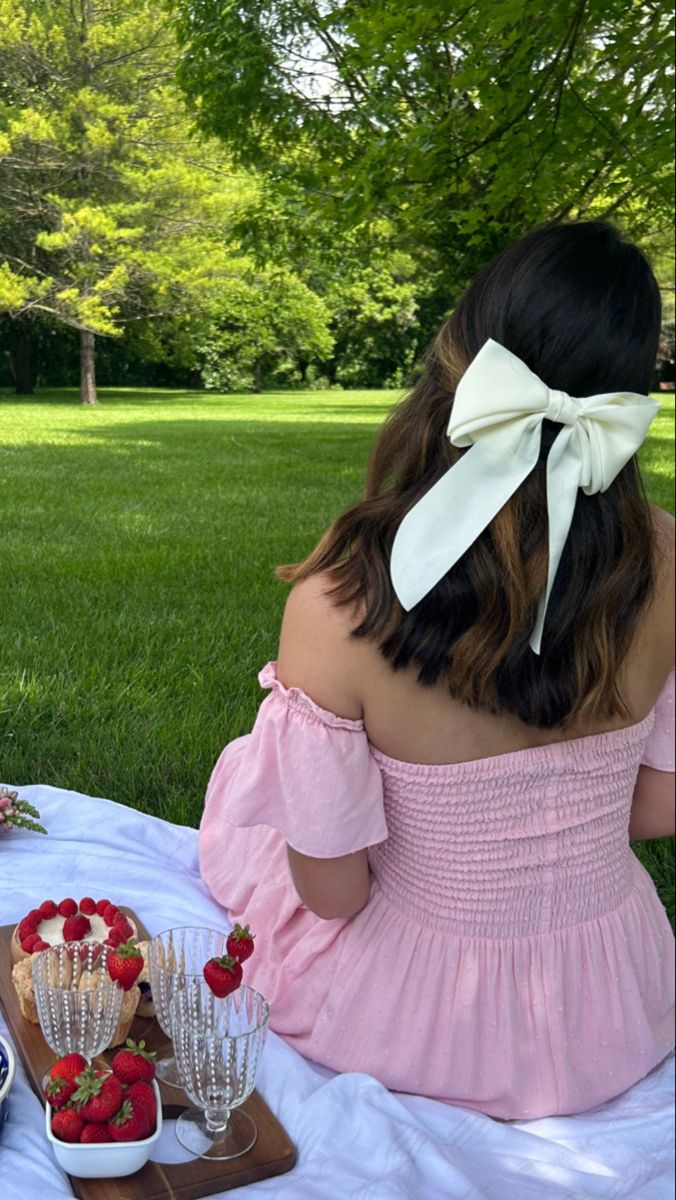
x,y
514,956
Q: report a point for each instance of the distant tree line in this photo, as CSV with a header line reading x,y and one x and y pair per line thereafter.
x,y
278,194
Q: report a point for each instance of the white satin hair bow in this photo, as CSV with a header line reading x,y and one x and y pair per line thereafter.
x,y
498,410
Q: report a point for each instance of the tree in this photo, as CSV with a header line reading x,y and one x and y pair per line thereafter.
x,y
463,126
111,210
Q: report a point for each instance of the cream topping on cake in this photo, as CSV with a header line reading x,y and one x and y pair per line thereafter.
x,y
51,930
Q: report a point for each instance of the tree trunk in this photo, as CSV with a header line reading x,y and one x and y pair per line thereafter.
x,y
87,368
258,374
22,363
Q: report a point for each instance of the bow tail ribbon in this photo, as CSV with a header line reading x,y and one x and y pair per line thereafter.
x,y
445,522
564,475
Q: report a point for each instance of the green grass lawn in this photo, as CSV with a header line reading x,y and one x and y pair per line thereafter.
x,y
138,599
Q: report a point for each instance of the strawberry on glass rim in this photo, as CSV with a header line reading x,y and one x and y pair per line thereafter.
x,y
223,975
125,963
240,943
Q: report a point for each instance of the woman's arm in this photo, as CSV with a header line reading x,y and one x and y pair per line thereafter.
x,y
331,887
653,808
315,654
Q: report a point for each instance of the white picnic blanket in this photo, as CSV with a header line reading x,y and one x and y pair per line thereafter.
x,y
354,1138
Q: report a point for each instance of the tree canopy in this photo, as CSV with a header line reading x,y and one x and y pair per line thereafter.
x,y
464,125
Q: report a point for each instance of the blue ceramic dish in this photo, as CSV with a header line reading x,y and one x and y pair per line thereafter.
x,y
7,1066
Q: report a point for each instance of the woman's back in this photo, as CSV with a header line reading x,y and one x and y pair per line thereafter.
x,y
419,724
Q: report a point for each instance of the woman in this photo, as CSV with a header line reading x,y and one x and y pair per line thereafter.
x,y
472,714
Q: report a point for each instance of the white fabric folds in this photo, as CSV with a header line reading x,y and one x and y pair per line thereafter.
x,y
498,411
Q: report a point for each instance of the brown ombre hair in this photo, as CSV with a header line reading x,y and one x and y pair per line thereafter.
x,y
579,304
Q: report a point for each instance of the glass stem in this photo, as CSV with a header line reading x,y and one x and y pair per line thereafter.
x,y
217,1119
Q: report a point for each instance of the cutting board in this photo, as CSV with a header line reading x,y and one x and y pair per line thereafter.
x,y
272,1154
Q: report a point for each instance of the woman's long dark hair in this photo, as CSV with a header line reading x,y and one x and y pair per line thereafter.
x,y
579,304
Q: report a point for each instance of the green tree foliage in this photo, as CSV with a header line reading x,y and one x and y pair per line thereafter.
x,y
462,125
113,215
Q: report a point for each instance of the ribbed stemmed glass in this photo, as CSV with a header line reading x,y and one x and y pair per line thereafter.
x,y
78,1003
218,1043
174,956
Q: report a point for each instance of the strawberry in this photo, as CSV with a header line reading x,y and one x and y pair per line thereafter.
x,y
125,964
95,1131
68,1067
223,975
121,925
67,907
101,906
30,942
115,938
88,906
134,1063
76,928
27,927
145,1095
98,1096
130,1124
59,1091
67,1125
48,909
240,944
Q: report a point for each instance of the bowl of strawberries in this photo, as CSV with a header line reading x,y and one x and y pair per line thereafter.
x,y
103,1123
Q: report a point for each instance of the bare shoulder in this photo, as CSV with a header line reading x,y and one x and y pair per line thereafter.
x,y
316,652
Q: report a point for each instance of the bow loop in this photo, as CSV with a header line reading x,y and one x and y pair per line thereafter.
x,y
498,410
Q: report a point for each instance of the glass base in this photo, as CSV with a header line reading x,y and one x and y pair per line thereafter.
x,y
166,1069
238,1136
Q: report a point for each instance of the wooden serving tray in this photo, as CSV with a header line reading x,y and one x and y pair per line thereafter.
x,y
272,1154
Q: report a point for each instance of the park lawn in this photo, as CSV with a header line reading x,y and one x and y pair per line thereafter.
x,y
138,597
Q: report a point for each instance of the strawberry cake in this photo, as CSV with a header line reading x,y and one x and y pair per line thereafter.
x,y
68,920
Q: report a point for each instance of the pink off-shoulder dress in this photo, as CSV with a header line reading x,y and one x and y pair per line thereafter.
x,y
514,956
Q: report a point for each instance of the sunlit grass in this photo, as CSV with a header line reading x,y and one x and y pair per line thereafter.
x,y
138,599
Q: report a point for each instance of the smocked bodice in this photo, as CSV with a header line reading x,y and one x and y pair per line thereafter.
x,y
523,843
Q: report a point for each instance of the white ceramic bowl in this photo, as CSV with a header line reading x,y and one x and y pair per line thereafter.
x,y
103,1160
7,1069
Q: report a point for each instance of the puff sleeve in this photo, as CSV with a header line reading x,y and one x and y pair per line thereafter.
x,y
659,747
303,771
